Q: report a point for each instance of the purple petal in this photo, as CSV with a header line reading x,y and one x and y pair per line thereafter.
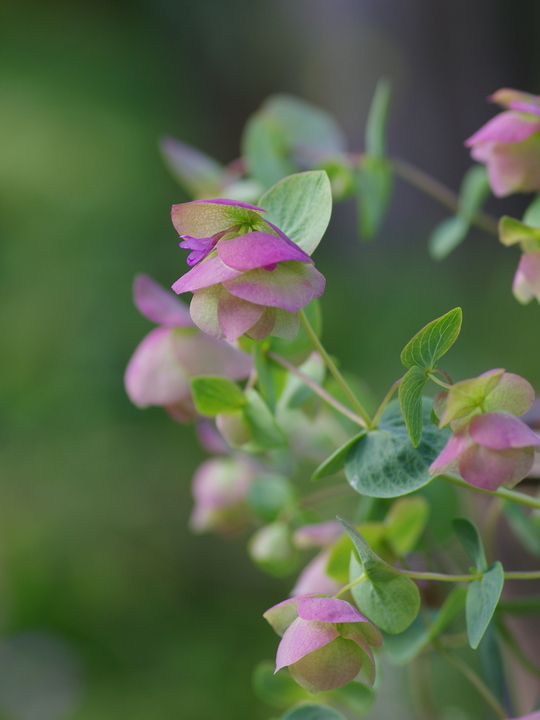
x,y
515,167
158,304
154,376
257,249
301,638
501,431
531,716
521,288
207,273
200,354
457,444
529,267
264,326
330,610
317,534
329,667
506,97
489,469
202,218
313,578
236,316
290,286
507,127
280,616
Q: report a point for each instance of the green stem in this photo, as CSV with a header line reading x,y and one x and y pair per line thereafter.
x,y
532,575
435,379
435,189
385,402
333,369
321,392
512,495
344,589
473,678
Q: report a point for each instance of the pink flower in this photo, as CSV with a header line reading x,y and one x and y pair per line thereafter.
x,y
526,285
530,716
314,578
248,276
325,642
220,487
159,370
509,143
490,450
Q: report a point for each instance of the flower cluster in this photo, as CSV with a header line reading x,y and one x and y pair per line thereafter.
x,y
159,370
490,446
326,642
509,143
247,277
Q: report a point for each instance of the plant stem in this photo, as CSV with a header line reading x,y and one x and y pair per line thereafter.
x,y
344,589
435,189
436,380
385,402
327,495
473,678
321,392
503,493
333,369
532,575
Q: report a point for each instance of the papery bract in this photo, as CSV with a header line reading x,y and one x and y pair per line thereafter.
x,y
219,487
526,285
248,276
509,143
159,370
326,642
314,578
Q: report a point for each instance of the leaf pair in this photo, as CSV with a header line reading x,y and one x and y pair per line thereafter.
x,y
420,356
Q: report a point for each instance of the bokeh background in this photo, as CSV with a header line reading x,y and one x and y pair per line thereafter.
x,y
112,609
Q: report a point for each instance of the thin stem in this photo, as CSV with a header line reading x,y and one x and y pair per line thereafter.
x,y
344,589
532,575
493,515
385,402
321,392
333,369
424,182
512,495
327,495
435,379
473,678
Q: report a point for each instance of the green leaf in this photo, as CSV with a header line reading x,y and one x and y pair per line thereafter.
x,y
336,461
452,231
525,526
528,605
388,598
512,231
410,401
265,150
266,432
469,537
355,697
300,205
299,349
404,647
482,598
312,712
271,548
531,216
383,463
197,172
446,236
278,689
473,192
305,127
213,394
405,523
269,495
376,121
433,341
271,378
373,181
492,664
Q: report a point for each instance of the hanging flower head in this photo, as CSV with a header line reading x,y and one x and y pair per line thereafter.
x,y
247,277
326,642
509,143
159,370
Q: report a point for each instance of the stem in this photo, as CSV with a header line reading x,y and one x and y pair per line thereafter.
x,y
385,402
446,386
321,392
490,526
327,495
333,369
516,497
424,182
344,589
473,678
532,575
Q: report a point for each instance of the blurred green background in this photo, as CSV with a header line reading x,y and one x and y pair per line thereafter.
x,y
117,611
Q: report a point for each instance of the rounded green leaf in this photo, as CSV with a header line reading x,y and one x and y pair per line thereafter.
x,y
446,236
312,711
383,463
213,394
301,206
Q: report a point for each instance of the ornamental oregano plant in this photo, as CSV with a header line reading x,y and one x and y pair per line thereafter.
x,y
245,363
